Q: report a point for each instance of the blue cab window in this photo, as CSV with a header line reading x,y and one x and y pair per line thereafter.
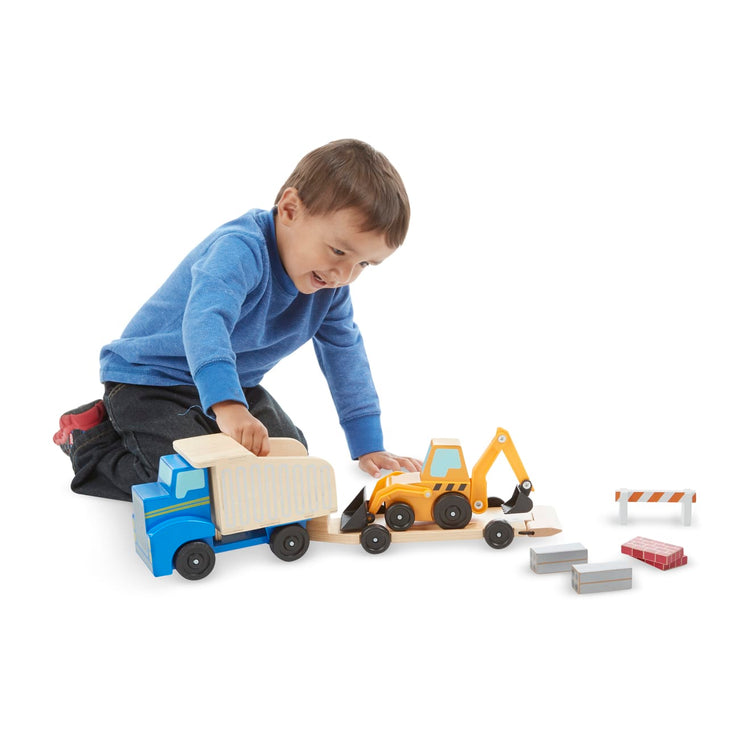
x,y
444,460
165,474
189,480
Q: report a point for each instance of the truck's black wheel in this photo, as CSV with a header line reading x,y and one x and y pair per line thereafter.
x,y
375,539
399,516
451,511
290,542
194,560
498,534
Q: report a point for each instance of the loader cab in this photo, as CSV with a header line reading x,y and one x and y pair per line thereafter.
x,y
445,462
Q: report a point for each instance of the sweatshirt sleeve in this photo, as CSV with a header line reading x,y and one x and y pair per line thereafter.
x,y
221,280
341,354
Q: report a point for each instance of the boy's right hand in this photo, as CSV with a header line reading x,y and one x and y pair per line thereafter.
x,y
236,421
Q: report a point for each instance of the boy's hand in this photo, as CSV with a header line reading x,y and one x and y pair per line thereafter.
x,y
236,421
372,463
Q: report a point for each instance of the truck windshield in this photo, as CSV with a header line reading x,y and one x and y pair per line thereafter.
x,y
165,474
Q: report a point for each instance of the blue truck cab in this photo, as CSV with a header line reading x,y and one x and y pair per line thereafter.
x,y
168,513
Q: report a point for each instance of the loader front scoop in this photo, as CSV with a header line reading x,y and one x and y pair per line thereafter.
x,y
354,516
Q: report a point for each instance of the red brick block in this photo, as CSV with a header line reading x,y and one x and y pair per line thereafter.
x,y
658,554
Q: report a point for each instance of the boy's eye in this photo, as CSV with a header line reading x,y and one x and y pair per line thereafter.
x,y
338,252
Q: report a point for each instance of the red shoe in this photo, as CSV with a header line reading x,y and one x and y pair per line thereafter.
x,y
83,418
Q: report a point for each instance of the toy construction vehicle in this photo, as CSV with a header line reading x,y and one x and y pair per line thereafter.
x,y
215,495
443,492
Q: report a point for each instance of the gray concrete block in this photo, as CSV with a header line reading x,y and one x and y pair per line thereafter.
x,y
557,558
595,577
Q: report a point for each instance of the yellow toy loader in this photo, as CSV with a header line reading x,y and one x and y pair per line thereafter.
x,y
443,492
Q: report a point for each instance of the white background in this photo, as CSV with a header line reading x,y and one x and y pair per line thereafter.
x,y
578,173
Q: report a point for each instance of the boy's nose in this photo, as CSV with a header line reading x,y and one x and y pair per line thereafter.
x,y
342,274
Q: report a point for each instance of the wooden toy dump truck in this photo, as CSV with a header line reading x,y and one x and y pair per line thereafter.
x,y
215,495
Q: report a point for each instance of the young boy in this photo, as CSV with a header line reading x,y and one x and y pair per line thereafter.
x,y
192,359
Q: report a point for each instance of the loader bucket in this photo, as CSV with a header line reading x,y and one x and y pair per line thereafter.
x,y
520,502
354,517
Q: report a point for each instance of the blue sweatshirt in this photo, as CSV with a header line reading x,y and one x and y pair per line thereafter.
x,y
229,313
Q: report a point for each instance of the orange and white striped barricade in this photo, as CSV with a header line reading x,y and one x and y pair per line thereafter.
x,y
685,497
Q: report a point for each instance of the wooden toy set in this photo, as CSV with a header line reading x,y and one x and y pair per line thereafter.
x,y
214,495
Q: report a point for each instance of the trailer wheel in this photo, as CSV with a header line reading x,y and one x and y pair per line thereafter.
x,y
194,560
400,516
375,539
289,543
498,534
451,511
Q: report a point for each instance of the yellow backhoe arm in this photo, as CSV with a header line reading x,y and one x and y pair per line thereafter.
x,y
501,443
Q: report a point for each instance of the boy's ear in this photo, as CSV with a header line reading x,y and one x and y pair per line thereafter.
x,y
289,205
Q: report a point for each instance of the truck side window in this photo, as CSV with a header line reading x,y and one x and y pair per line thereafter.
x,y
189,480
443,460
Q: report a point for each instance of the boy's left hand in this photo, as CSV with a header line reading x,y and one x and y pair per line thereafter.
x,y
372,463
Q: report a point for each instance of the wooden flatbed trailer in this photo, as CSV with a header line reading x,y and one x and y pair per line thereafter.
x,y
540,521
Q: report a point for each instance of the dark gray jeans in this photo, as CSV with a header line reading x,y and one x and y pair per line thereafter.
x,y
143,421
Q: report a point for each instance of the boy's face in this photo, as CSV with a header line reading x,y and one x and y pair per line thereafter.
x,y
326,251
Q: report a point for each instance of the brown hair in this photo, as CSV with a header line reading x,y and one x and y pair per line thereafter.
x,y
352,174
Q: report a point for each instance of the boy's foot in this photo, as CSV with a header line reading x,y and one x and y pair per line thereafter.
x,y
79,420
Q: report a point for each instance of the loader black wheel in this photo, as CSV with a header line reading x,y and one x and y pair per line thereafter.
x,y
194,560
498,534
375,539
289,543
399,516
451,511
